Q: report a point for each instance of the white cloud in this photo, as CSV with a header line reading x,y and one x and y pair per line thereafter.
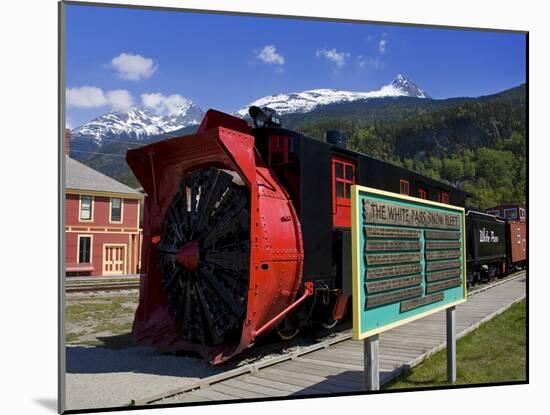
x,y
268,54
133,67
120,99
93,97
86,97
363,62
382,45
163,104
339,58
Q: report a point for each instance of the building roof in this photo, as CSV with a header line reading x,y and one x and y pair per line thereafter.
x,y
81,177
505,206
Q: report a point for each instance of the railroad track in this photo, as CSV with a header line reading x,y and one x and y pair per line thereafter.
x,y
269,361
99,286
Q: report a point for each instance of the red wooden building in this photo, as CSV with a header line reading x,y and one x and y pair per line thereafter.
x,y
102,223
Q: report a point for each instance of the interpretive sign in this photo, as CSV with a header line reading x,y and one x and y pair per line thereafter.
x,y
408,259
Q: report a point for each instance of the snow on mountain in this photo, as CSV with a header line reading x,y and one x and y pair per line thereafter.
x,y
405,87
138,123
300,102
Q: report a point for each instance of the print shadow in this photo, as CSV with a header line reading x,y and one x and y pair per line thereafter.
x,y
136,359
349,381
118,354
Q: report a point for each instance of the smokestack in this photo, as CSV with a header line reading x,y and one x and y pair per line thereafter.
x,y
336,138
67,142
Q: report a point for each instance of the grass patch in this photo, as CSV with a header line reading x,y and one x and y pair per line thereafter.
x,y
97,320
86,310
495,352
71,337
113,327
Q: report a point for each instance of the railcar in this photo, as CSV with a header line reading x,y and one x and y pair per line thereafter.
x,y
515,217
516,244
247,231
485,247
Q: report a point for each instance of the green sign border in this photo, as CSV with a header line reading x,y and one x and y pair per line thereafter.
x,y
365,324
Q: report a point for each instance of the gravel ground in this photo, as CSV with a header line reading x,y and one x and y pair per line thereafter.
x,y
98,377
103,368
97,318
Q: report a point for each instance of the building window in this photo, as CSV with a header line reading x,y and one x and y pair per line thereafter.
x,y
404,187
84,249
116,209
443,197
422,193
344,177
86,204
511,213
519,236
521,213
494,212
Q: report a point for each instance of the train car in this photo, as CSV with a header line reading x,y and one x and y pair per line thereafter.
x,y
516,244
515,217
509,212
247,230
485,247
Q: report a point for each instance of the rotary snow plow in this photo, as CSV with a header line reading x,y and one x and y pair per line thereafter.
x,y
222,248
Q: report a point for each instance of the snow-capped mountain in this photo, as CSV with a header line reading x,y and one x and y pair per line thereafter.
x,y
403,86
138,123
305,101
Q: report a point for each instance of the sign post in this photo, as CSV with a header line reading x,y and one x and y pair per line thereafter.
x,y
371,363
409,261
451,344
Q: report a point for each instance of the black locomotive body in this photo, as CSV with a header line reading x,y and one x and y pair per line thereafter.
x,y
318,174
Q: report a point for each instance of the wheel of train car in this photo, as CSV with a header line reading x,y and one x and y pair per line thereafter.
x,y
203,255
329,324
288,328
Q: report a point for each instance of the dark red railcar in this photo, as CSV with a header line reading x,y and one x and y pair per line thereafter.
x,y
516,236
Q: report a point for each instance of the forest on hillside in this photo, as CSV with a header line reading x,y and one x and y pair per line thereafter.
x,y
479,145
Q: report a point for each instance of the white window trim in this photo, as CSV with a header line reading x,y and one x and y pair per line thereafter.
x,y
512,210
80,209
111,210
91,248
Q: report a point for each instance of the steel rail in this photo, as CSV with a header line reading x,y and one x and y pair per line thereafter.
x,y
76,288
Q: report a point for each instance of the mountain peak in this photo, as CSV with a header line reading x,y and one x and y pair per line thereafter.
x,y
408,87
138,122
306,101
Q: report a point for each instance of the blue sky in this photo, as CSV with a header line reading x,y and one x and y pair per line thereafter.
x,y
116,57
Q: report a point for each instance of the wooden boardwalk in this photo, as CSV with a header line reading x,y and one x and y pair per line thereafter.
x,y
339,368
